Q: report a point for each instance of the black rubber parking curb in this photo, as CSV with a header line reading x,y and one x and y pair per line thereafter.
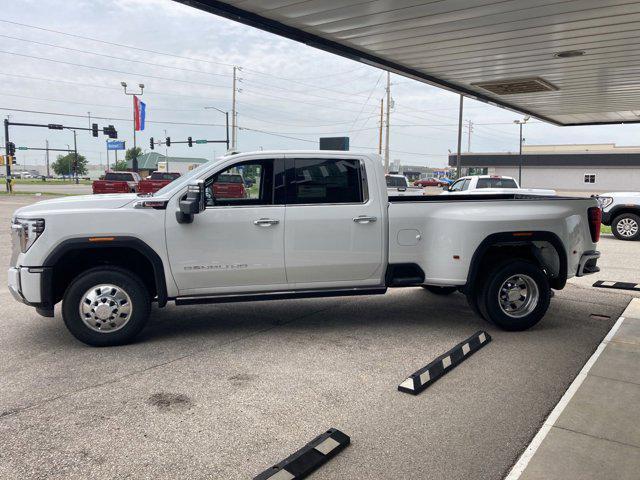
x,y
617,285
424,377
313,455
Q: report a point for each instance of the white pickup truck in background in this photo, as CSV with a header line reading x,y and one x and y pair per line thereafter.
x,y
621,210
398,185
315,223
491,184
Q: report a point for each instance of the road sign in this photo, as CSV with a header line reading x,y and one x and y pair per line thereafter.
x,y
115,145
201,141
23,148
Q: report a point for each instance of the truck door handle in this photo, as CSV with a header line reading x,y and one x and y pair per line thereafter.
x,y
364,219
266,222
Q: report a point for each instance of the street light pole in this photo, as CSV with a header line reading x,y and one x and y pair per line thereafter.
x,y
521,123
134,160
226,116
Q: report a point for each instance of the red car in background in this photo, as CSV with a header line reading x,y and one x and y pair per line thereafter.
x,y
430,182
116,182
156,181
229,185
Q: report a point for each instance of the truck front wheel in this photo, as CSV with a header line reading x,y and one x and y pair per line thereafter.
x,y
626,227
106,306
515,295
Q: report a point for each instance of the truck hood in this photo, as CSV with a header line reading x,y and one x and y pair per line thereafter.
x,y
80,202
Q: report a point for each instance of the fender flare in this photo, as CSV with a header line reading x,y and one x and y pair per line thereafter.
x,y
514,238
84,243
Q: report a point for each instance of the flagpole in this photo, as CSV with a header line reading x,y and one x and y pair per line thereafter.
x,y
134,160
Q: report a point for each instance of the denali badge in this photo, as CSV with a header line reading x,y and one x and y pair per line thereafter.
x,y
219,266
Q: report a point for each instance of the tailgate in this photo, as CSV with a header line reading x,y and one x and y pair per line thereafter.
x,y
151,186
106,186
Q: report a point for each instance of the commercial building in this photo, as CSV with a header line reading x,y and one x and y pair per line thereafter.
x,y
582,168
148,163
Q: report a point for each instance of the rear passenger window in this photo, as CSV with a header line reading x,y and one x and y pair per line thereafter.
x,y
325,181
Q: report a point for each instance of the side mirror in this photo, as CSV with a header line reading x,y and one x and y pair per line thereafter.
x,y
445,188
193,203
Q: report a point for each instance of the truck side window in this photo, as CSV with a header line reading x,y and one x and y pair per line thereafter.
x,y
247,183
457,186
320,180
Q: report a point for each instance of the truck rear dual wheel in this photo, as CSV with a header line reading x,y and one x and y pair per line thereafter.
x,y
515,295
626,226
106,306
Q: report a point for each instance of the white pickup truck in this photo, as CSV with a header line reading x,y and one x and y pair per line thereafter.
x,y
491,184
315,223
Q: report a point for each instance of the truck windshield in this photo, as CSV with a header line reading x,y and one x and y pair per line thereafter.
x,y
496,183
164,176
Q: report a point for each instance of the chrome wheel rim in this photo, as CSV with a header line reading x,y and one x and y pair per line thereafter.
x,y
105,308
518,296
627,227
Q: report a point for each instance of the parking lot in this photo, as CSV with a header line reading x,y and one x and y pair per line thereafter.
x,y
226,391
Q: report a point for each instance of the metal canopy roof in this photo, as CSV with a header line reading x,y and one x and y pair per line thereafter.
x,y
457,44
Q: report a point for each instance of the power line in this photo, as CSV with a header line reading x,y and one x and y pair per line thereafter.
x,y
116,58
110,118
131,47
112,70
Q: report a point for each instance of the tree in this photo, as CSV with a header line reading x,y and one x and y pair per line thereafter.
x,y
120,165
129,155
64,164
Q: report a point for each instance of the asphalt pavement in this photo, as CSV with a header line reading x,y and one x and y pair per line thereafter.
x,y
226,391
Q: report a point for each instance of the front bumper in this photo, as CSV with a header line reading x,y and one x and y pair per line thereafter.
x,y
588,263
13,277
26,286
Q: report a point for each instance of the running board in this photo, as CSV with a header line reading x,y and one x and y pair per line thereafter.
x,y
290,294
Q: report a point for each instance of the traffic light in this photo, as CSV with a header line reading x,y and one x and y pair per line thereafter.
x,y
189,142
94,129
110,131
151,144
167,142
11,149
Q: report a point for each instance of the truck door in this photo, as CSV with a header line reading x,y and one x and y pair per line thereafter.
x,y
334,230
236,243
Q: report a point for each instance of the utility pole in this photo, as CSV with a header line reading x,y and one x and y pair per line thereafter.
x,y
386,146
381,124
8,158
469,131
134,160
75,162
47,157
458,159
234,112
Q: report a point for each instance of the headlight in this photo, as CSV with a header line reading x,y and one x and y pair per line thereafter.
x,y
27,231
604,202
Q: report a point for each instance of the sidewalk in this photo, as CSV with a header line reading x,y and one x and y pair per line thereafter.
x,y
594,431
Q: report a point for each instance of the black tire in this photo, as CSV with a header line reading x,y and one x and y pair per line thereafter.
x,y
536,302
472,301
631,220
139,302
440,290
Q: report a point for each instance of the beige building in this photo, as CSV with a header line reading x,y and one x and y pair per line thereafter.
x,y
589,168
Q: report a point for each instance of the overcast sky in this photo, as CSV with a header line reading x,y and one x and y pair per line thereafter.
x,y
185,56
